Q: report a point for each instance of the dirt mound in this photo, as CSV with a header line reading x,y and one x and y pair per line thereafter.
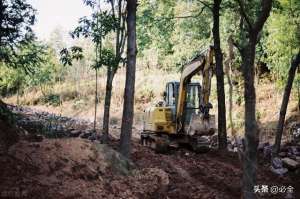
x,y
74,168
8,131
81,168
78,168
210,175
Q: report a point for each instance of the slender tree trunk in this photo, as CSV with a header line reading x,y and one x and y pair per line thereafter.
x,y
228,73
107,103
222,134
96,98
111,70
18,94
128,109
251,130
285,100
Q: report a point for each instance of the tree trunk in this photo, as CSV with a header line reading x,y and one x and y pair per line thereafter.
x,y
285,100
96,98
251,130
107,103
128,109
222,134
228,73
247,49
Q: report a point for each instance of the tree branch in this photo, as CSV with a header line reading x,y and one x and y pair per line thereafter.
x,y
244,14
266,6
181,17
206,5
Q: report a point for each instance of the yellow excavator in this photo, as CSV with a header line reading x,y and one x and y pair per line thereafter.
x,y
183,116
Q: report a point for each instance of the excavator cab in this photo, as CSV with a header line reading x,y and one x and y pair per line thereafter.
x,y
193,97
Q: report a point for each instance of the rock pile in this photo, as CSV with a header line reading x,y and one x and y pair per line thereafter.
x,y
51,125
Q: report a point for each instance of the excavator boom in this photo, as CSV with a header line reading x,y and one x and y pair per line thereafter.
x,y
200,123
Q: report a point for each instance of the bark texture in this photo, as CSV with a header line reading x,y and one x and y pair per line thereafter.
x,y
128,109
222,134
107,103
247,49
228,72
251,130
285,100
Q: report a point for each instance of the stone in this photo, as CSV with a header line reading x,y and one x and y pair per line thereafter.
x,y
277,163
282,154
35,138
267,151
280,171
75,133
296,134
261,146
86,134
290,163
294,150
93,137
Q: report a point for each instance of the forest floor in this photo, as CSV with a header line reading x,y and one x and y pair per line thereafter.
x,y
63,163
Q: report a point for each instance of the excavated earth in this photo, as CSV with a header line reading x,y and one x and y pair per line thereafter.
x,y
68,167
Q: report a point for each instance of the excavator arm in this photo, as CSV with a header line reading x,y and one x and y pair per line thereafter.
x,y
202,64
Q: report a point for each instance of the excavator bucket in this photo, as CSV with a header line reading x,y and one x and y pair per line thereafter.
x,y
200,126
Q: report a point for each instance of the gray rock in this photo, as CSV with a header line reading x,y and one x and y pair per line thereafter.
x,y
279,171
35,138
282,154
75,133
276,163
290,163
86,134
294,150
267,151
261,146
296,134
93,137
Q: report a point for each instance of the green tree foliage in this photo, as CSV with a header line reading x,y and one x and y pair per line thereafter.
x,y
282,37
41,66
68,55
172,31
20,55
16,19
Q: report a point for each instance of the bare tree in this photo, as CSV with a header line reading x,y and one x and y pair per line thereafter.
x,y
250,35
128,109
285,100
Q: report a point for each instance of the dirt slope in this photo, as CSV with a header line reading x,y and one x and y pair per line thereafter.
x,y
80,168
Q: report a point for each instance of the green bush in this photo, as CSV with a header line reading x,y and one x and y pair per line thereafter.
x,y
51,99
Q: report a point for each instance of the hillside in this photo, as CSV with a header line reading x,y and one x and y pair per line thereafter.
x,y
69,167
78,99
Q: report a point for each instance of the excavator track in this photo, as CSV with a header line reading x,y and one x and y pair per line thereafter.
x,y
200,144
159,143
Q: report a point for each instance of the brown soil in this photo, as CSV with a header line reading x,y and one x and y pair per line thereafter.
x,y
73,168
79,168
8,133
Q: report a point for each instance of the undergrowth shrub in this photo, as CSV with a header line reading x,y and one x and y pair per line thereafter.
x,y
51,99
